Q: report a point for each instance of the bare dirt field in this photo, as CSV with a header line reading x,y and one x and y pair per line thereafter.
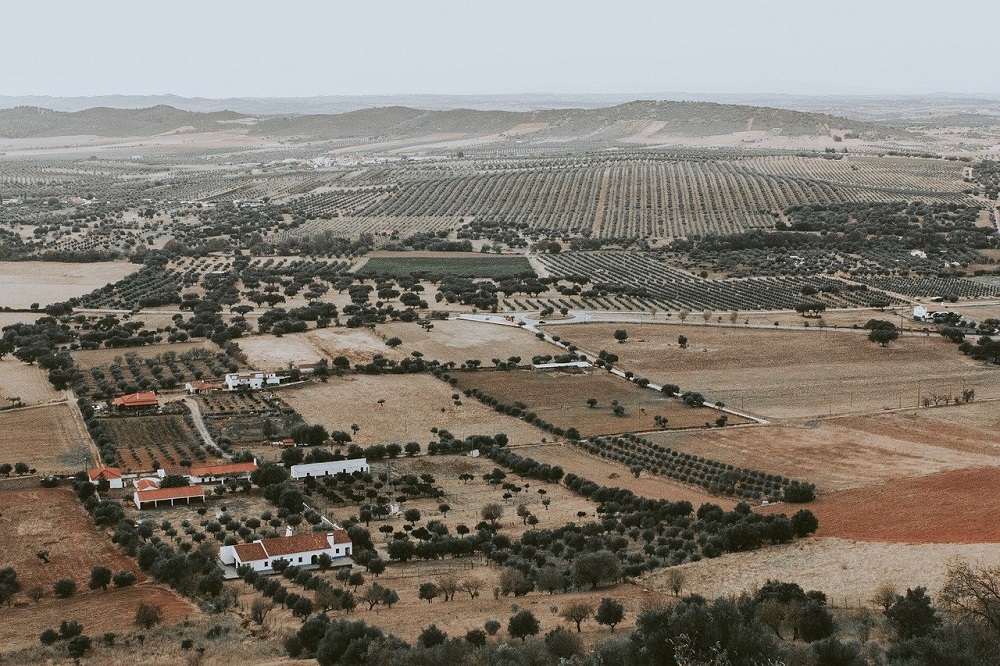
x,y
848,571
25,282
266,352
849,452
959,506
459,340
413,405
27,382
613,475
52,519
793,374
90,358
561,398
48,438
146,443
99,612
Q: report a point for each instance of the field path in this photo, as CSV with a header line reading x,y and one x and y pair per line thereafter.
x,y
81,428
199,423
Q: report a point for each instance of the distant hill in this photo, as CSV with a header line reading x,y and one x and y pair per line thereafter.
x,y
657,118
26,121
857,106
654,120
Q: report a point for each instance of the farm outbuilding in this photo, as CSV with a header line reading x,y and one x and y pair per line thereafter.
x,y
147,483
112,475
330,468
214,473
143,498
140,400
201,387
300,549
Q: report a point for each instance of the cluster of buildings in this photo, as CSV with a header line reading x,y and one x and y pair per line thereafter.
x,y
299,549
149,494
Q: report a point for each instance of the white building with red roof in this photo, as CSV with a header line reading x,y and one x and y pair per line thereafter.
x,y
112,475
144,499
141,400
302,550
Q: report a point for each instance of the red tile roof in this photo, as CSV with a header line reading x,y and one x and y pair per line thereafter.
x,y
161,494
147,484
223,469
297,543
141,399
341,536
250,551
104,472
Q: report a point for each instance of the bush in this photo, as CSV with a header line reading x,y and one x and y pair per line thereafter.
x,y
64,588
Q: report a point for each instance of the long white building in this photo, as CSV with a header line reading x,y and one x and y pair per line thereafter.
x,y
300,549
330,468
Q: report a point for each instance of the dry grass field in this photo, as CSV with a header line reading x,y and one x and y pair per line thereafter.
x,y
614,475
413,405
48,438
783,374
561,398
854,451
27,382
8,318
459,340
848,571
90,358
52,519
266,352
25,282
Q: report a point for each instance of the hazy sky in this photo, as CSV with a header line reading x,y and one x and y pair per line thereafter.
x,y
218,48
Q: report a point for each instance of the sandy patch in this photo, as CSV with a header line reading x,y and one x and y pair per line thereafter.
x,y
25,282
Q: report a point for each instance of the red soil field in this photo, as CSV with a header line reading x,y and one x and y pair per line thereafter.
x,y
959,506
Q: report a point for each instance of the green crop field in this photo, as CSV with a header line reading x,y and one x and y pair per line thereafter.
x,y
487,266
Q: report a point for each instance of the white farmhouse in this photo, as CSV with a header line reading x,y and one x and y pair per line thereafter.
x,y
330,468
300,550
251,380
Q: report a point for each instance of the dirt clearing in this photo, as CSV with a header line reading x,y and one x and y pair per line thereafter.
x,y
268,352
52,519
460,340
27,382
413,405
48,438
25,282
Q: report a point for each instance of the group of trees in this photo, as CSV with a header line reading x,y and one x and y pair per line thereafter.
x,y
778,623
